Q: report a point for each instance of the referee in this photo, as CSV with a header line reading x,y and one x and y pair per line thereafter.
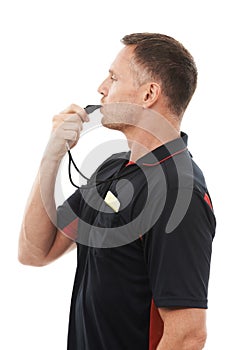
x,y
143,224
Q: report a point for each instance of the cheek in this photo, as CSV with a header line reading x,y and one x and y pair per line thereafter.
x,y
122,94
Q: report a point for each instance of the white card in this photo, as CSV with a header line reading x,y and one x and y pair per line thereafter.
x,y
112,201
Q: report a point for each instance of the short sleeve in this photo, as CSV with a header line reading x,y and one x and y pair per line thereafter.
x,y
178,262
68,215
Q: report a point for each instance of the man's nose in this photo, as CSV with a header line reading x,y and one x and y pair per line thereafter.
x,y
103,88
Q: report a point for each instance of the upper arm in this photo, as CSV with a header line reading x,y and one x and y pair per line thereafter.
x,y
67,228
34,256
61,245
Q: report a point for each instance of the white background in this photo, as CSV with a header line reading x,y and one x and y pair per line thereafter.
x,y
54,53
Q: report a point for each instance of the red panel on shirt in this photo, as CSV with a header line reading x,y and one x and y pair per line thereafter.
x,y
156,327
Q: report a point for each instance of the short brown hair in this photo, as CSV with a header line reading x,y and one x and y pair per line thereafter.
x,y
167,61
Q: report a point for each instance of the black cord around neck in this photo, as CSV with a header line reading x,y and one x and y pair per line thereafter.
x,y
91,185
70,162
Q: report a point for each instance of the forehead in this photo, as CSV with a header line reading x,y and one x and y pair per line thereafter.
x,y
123,58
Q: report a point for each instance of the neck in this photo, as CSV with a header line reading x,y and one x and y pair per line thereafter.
x,y
138,150
142,142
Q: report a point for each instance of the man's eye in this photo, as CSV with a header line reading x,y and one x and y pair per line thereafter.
x,y
113,78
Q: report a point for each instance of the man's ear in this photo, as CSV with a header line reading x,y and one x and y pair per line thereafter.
x,y
151,94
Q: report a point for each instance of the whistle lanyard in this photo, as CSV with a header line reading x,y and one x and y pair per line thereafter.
x,y
88,109
134,169
72,162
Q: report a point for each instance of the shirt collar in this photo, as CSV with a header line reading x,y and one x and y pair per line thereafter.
x,y
164,152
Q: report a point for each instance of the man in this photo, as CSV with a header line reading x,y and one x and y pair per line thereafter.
x,y
144,223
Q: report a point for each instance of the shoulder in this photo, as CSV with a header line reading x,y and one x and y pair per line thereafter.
x,y
110,165
114,159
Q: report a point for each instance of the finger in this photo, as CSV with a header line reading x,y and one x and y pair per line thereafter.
x,y
73,118
72,126
67,117
70,135
73,108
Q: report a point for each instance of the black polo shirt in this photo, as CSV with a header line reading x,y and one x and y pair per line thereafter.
x,y
154,251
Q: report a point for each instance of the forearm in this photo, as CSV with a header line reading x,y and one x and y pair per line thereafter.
x,y
173,343
183,329
40,241
178,337
39,224
193,343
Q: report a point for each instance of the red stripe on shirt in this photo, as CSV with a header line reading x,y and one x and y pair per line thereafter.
x,y
156,327
71,230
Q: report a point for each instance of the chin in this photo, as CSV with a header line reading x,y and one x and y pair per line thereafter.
x,y
114,126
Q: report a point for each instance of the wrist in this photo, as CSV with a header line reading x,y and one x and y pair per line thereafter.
x,y
49,167
51,160
52,155
55,149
